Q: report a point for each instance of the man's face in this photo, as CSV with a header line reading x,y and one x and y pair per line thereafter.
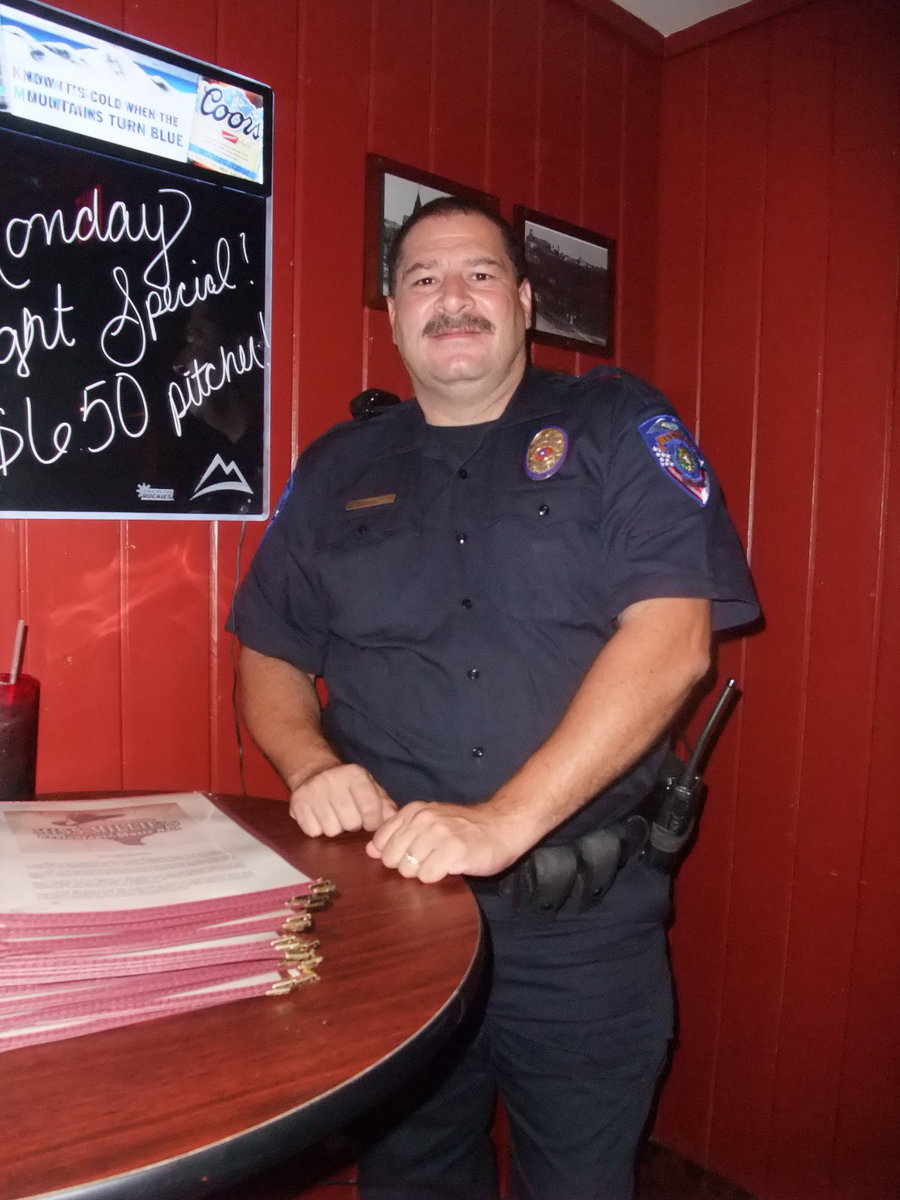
x,y
457,314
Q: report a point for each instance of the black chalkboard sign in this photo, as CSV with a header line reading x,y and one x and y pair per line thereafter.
x,y
134,287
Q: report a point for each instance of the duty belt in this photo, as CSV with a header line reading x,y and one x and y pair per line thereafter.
x,y
570,876
575,876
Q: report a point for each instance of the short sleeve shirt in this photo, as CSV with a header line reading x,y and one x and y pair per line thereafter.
x,y
453,600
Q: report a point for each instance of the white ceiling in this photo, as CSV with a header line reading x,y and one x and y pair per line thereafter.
x,y
668,16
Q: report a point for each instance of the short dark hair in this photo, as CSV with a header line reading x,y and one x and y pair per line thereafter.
x,y
448,206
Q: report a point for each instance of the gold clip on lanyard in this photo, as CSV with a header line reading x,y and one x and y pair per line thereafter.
x,y
318,895
292,978
297,950
297,923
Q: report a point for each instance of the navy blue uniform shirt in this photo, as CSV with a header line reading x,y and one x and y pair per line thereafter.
x,y
453,601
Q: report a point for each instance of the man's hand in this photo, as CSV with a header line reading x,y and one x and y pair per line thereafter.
x,y
281,707
430,841
340,798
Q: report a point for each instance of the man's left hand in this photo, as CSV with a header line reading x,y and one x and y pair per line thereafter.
x,y
431,841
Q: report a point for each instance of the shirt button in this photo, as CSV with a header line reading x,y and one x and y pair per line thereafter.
x,y
462,538
473,673
544,509
477,752
463,473
466,602
363,529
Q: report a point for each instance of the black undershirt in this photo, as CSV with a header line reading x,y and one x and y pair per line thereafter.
x,y
458,441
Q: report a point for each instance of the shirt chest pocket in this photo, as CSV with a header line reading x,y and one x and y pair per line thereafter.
x,y
370,563
544,551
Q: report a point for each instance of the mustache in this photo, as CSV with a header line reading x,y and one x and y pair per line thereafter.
x,y
468,323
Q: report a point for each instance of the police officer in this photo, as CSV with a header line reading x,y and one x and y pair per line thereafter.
x,y
509,584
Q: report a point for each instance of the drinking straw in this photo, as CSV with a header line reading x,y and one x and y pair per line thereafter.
x,y
18,649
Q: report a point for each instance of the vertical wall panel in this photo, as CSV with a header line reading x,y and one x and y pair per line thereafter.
x,y
107,12
733,259
165,653
461,83
602,145
512,116
702,897
682,224
699,930
865,1163
866,1158
188,28
867,67
560,96
789,435
165,578
72,602
400,127
400,113
638,240
332,101
560,111
275,62
729,346
602,133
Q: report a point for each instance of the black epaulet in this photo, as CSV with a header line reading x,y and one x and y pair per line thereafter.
x,y
370,402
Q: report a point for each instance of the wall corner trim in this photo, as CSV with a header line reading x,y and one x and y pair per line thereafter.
x,y
750,13
624,22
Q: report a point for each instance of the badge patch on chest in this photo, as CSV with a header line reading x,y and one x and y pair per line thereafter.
x,y
546,452
676,452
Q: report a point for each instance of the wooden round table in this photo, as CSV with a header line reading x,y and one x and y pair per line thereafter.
x,y
184,1105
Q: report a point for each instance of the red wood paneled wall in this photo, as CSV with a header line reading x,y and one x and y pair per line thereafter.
x,y
535,100
777,331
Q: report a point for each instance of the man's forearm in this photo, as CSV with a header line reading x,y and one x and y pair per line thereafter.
x,y
629,696
281,710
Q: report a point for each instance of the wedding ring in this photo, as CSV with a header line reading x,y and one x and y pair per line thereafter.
x,y
411,858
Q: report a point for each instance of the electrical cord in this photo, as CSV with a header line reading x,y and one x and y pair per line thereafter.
x,y
234,674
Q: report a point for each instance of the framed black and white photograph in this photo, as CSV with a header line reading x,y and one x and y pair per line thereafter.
x,y
572,273
393,192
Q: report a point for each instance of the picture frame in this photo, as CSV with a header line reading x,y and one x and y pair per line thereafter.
x,y
393,190
572,272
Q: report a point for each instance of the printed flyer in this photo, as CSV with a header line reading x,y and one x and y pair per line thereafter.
x,y
142,851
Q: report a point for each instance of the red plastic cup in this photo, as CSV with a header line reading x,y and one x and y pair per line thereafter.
x,y
19,704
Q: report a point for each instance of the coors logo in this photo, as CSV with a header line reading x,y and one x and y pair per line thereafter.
x,y
227,133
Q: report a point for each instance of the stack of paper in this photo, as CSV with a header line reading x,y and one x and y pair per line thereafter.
x,y
115,911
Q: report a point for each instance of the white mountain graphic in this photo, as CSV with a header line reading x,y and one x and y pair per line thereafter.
x,y
231,479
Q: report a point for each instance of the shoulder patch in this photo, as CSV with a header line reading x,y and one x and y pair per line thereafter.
x,y
675,450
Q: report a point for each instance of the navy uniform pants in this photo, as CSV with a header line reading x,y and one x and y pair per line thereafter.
x,y
573,1037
